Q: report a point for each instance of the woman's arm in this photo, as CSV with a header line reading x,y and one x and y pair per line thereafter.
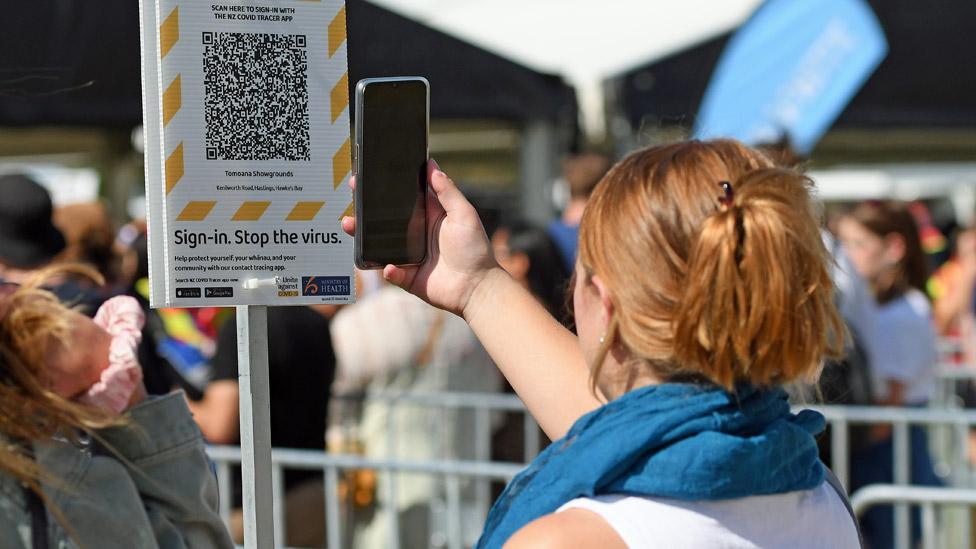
x,y
541,359
217,413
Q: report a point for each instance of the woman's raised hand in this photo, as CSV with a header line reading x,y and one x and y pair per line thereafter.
x,y
459,262
460,274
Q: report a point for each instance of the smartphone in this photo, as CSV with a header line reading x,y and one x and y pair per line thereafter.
x,y
392,126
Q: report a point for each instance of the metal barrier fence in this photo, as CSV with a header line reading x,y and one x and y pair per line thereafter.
x,y
331,464
948,383
838,417
483,405
927,498
956,423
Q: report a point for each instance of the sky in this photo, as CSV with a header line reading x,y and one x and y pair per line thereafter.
x,y
586,41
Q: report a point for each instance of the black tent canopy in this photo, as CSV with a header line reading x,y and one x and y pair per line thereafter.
x,y
928,79
465,80
76,63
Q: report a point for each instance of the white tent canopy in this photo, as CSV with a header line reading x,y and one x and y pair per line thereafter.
x,y
955,181
583,40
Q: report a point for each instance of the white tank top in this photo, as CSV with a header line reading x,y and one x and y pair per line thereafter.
x,y
805,519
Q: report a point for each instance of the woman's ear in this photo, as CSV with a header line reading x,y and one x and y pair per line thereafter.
x,y
605,299
894,248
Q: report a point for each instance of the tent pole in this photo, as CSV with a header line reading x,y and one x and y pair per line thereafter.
x,y
537,170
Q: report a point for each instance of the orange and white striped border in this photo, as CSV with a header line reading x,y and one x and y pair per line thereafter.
x,y
200,210
338,102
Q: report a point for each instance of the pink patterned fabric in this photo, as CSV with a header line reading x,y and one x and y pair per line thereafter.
x,y
122,318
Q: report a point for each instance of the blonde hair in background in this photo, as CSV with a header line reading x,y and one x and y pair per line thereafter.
x,y
32,320
731,292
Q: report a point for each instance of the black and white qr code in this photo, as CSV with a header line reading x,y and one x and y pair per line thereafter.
x,y
255,96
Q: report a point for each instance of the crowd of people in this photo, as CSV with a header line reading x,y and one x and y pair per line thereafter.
x,y
650,330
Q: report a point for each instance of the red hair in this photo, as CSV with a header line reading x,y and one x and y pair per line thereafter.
x,y
732,288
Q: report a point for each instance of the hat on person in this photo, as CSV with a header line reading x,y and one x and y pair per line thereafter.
x,y
28,237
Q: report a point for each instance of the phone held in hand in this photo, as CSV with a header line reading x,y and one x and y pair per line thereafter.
x,y
392,124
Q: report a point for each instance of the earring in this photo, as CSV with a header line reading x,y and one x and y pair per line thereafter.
x,y
603,338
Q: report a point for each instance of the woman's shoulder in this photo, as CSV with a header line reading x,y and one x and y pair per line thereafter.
x,y
918,302
910,311
912,303
575,528
801,519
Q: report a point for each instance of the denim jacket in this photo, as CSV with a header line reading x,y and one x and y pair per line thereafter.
x,y
148,484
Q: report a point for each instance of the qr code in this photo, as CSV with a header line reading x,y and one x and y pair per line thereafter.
x,y
255,96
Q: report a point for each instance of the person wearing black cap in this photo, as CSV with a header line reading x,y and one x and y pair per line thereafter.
x,y
28,237
29,241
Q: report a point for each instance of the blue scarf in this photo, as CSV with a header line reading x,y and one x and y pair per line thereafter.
x,y
678,441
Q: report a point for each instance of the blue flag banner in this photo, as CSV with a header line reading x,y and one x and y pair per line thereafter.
x,y
790,71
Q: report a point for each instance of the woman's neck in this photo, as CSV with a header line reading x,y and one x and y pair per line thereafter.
x,y
616,381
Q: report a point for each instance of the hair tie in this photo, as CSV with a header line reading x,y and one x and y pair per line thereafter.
x,y
122,318
728,200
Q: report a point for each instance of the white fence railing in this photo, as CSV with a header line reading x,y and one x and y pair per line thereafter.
x,y
482,405
928,499
332,464
955,424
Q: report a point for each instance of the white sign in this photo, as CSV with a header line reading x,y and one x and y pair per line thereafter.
x,y
246,114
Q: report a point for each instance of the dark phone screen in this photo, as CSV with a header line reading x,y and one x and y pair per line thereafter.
x,y
394,172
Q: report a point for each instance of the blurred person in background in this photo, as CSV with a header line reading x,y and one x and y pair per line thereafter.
x,y
86,457
301,365
848,380
670,421
529,255
90,239
393,342
187,339
882,241
175,352
934,244
29,241
953,291
581,173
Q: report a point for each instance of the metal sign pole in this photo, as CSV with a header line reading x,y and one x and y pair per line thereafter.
x,y
252,367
